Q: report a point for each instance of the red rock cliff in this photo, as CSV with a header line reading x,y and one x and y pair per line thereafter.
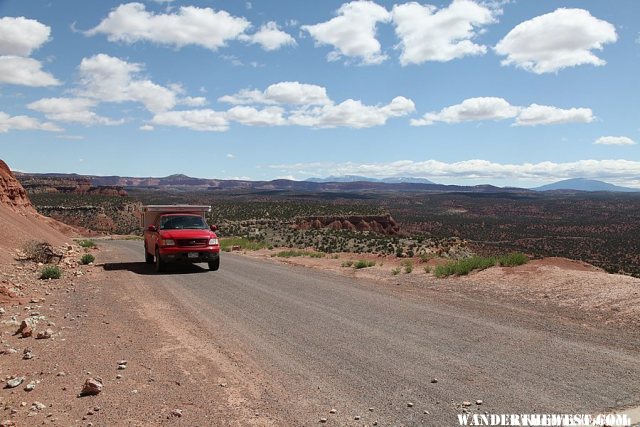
x,y
12,194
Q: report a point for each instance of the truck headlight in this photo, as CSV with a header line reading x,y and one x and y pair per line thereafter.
x,y
213,242
167,242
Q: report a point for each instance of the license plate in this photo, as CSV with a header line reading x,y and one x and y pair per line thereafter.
x,y
193,255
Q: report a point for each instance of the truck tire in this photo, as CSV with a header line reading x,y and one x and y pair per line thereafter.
x,y
148,258
214,265
159,262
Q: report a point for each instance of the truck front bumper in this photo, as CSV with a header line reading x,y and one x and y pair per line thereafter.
x,y
191,255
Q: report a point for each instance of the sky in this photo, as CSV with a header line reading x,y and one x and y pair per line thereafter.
x,y
510,93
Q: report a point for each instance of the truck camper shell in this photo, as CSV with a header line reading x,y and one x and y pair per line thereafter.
x,y
150,213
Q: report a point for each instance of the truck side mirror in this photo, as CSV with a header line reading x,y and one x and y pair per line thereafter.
x,y
152,228
213,227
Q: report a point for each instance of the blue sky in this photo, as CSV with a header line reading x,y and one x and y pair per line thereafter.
x,y
504,92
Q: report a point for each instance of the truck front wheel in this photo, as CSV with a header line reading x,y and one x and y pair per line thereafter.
x,y
148,258
159,262
214,265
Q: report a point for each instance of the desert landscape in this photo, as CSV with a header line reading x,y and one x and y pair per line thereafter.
x,y
407,219
348,213
96,326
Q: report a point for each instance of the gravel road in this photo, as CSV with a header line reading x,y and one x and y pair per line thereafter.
x,y
324,341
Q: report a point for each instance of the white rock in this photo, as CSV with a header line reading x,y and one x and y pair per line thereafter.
x,y
15,382
43,335
38,406
91,387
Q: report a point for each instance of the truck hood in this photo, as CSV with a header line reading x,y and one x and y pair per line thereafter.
x,y
186,234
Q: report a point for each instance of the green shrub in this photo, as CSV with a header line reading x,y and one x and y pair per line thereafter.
x,y
316,254
226,243
87,244
51,272
513,259
347,263
364,264
427,269
464,266
408,266
295,253
87,259
395,271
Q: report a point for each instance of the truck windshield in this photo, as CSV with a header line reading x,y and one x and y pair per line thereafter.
x,y
180,222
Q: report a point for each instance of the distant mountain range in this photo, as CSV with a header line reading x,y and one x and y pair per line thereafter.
x,y
358,178
582,184
341,184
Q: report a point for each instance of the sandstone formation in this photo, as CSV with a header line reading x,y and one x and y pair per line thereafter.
x,y
12,194
37,184
19,221
382,224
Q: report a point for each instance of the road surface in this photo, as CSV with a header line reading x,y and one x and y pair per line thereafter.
x,y
326,341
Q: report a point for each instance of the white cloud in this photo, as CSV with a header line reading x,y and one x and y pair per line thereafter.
x,y
21,36
71,138
231,156
289,103
556,40
109,79
619,171
615,140
73,110
429,34
293,93
245,96
472,109
351,113
270,37
296,93
147,128
193,101
190,25
201,120
492,108
270,116
353,32
546,115
8,123
24,71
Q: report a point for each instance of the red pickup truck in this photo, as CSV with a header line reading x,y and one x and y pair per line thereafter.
x,y
179,234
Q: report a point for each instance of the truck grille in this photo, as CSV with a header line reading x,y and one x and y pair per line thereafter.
x,y
192,242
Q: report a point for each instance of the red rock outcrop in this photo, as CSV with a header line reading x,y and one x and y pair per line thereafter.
x,y
19,221
12,194
35,184
383,224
